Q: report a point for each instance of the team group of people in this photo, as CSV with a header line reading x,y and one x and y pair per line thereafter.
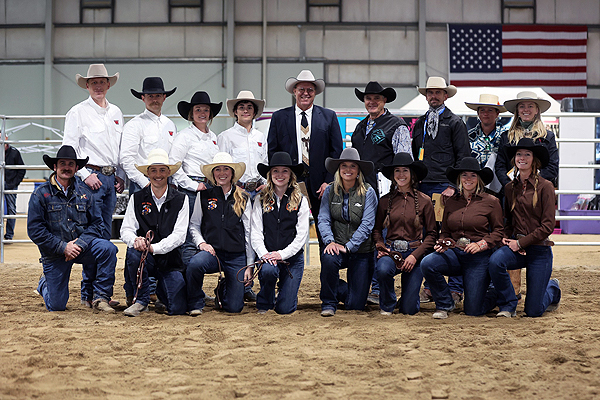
x,y
238,204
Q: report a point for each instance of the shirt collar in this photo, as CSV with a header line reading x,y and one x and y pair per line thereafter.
x,y
57,184
161,198
97,108
241,129
151,115
201,135
308,112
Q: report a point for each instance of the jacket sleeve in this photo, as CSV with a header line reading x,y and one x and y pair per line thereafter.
x,y
429,229
379,219
460,140
502,163
37,227
335,141
550,172
273,135
15,159
417,137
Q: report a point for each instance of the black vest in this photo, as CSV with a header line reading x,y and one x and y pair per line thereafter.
x,y
221,227
279,224
160,222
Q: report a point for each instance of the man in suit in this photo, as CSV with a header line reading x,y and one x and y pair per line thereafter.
x,y
308,133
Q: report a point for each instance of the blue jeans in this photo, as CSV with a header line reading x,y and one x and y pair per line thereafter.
x,y
11,209
411,284
287,297
334,290
170,285
454,262
99,260
541,291
205,263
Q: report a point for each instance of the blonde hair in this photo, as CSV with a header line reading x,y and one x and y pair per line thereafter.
x,y
361,189
480,185
517,132
535,167
267,195
240,198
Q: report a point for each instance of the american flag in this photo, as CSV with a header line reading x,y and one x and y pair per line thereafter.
x,y
549,56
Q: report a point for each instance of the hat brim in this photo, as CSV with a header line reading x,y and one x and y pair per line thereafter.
x,y
258,104
539,151
388,93
51,161
418,168
172,167
511,105
486,174
332,165
263,169
475,106
139,94
82,80
238,170
450,89
291,83
184,108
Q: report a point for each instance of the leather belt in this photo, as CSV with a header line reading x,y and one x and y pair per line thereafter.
x,y
107,170
450,243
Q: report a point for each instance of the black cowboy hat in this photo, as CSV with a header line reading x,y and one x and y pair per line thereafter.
x,y
348,154
66,152
280,159
198,98
539,151
375,88
152,85
405,160
470,164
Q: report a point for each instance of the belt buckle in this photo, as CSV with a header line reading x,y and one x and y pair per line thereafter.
x,y
400,245
107,170
250,186
463,242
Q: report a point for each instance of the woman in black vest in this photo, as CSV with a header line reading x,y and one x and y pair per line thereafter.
x,y
346,219
220,228
279,232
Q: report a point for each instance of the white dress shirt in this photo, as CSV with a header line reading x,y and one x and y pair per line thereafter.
x,y
196,221
141,135
175,239
298,125
247,147
194,149
257,234
96,132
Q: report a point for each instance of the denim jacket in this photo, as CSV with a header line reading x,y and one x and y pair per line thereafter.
x,y
55,219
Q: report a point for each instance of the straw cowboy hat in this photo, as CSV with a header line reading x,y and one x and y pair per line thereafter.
x,y
65,152
511,105
198,98
348,154
305,76
487,100
158,157
418,168
470,164
153,85
245,95
375,88
225,159
96,71
539,150
280,159
436,82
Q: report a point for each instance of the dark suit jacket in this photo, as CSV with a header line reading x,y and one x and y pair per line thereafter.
x,y
325,141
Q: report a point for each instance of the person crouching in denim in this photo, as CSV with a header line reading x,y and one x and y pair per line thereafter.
x,y
279,232
530,220
408,216
164,211
66,224
346,219
471,228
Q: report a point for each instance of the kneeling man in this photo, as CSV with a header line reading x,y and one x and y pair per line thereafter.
x,y
66,225
165,212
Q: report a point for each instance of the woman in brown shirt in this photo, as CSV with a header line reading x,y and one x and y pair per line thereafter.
x,y
473,222
408,216
529,212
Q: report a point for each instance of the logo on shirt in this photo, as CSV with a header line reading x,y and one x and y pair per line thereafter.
x,y
171,133
270,207
357,205
289,207
46,194
83,197
146,208
212,204
214,142
259,144
116,122
377,136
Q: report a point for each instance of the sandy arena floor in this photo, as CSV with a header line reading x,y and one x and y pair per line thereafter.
x,y
78,354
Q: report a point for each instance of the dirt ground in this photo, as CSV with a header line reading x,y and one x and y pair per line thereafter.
x,y
78,354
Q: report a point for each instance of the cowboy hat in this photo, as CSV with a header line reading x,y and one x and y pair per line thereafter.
x,y
158,157
405,160
487,100
96,71
198,98
539,151
348,154
305,76
153,85
437,82
225,159
511,105
245,95
470,164
280,159
65,152
375,88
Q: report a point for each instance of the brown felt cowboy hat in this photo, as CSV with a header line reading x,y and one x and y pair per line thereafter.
x,y
66,152
487,100
417,167
349,154
437,82
470,164
374,87
153,85
96,71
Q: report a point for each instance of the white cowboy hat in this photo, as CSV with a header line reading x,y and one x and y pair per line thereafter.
x,y
96,71
437,82
487,100
223,158
511,105
246,95
305,76
158,157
